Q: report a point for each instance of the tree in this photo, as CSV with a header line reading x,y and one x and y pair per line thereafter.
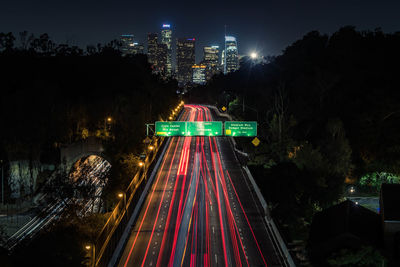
x,y
365,256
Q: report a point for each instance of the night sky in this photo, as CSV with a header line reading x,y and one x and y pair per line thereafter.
x,y
267,26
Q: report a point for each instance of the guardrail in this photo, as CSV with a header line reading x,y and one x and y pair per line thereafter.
x,y
109,236
276,236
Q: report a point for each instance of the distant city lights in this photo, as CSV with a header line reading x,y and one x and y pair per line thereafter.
x,y
230,39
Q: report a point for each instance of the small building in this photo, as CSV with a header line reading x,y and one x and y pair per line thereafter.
x,y
390,215
345,225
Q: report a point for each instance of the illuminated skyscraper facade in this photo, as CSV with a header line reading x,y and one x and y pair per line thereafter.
x,y
127,42
185,55
199,74
166,39
231,57
160,65
129,47
137,48
211,58
152,45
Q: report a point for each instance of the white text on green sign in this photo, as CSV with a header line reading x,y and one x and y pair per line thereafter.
x,y
186,128
241,128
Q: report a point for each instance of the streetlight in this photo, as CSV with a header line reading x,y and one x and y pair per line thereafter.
x,y
91,248
253,55
243,105
2,182
352,190
141,163
151,147
107,122
123,195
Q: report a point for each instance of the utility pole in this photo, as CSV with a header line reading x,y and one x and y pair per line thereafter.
x,y
243,104
149,127
2,182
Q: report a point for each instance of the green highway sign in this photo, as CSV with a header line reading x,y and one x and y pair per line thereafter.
x,y
241,128
188,128
170,128
204,128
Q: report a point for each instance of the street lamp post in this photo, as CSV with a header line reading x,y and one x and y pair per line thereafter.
x,y
107,123
123,195
2,182
256,111
91,248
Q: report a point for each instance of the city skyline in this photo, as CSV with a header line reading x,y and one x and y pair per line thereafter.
x,y
268,27
166,36
162,55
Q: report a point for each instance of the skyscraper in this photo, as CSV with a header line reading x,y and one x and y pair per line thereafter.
x,y
211,56
161,60
166,38
129,47
185,53
199,74
152,44
231,55
137,48
126,44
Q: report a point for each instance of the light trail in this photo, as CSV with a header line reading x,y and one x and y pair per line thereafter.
x,y
149,202
198,221
247,220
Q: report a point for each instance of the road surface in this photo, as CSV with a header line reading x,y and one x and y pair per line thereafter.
x,y
200,210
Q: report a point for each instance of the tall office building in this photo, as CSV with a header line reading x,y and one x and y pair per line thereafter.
x,y
152,45
199,74
185,54
137,48
129,47
231,55
126,44
161,60
166,38
222,66
210,60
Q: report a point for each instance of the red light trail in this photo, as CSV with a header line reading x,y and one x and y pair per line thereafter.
x,y
201,199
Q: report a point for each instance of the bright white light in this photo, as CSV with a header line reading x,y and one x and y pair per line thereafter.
x,y
253,55
230,39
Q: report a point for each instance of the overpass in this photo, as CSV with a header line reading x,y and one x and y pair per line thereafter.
x,y
71,153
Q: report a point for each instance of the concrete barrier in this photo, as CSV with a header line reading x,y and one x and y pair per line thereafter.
x,y
124,238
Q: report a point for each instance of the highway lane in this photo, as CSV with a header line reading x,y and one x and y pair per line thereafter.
x,y
200,209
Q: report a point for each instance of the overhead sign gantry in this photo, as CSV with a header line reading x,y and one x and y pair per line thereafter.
x,y
188,128
206,128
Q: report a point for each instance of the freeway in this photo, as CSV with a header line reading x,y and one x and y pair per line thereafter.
x,y
200,209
